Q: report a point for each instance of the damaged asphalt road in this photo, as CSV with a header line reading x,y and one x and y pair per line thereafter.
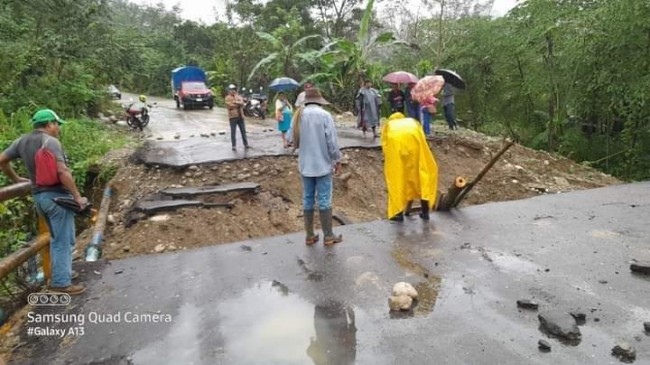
x,y
282,302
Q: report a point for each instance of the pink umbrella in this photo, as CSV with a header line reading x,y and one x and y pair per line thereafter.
x,y
400,77
427,88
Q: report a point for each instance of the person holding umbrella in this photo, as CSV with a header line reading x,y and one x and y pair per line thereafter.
x,y
396,99
452,80
283,114
412,106
448,106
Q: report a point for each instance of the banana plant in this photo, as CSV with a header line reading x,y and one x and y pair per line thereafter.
x,y
285,57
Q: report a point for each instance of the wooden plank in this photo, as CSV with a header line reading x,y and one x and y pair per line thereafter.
x,y
211,189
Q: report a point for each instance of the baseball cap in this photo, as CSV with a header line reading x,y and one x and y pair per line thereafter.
x,y
46,115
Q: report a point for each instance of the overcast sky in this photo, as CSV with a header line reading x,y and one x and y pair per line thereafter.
x,y
206,10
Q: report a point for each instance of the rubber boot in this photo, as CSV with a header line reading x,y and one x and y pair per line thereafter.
x,y
425,210
309,227
399,217
326,223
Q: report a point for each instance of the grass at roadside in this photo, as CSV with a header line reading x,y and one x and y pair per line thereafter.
x,y
85,142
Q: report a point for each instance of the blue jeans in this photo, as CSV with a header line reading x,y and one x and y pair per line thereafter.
x,y
426,121
60,221
234,123
412,111
317,187
449,115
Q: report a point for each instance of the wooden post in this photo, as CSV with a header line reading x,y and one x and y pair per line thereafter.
x,y
447,200
43,230
485,170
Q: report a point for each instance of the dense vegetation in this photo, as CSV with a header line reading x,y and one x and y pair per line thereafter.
x,y
568,76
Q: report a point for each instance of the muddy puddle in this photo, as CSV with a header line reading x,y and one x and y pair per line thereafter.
x,y
265,324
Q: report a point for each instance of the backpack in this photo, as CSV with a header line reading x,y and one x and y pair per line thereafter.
x,y
45,166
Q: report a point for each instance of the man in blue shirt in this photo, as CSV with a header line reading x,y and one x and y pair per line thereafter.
x,y
314,135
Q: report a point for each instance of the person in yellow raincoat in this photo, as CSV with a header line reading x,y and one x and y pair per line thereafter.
x,y
410,169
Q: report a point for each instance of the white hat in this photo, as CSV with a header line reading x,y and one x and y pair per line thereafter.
x,y
232,87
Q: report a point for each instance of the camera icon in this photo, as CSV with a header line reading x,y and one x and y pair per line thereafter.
x,y
39,299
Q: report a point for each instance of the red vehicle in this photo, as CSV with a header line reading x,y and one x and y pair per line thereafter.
x,y
189,88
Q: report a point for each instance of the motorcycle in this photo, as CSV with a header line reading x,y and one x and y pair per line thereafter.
x,y
137,115
255,105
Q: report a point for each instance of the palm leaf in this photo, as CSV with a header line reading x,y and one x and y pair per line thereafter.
x,y
365,22
268,59
305,39
270,38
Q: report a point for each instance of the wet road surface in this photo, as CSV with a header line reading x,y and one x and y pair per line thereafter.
x,y
276,301
179,138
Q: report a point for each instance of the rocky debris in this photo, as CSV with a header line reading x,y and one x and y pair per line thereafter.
x,y
646,325
527,304
402,298
222,132
193,168
561,325
544,346
159,248
641,267
579,316
400,303
177,136
126,249
110,219
602,281
404,288
624,352
160,218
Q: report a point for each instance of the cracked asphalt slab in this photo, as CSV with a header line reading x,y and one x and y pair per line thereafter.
x,y
195,151
277,301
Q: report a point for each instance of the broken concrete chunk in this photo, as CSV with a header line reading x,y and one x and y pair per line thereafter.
x,y
400,303
561,325
579,316
544,346
159,248
404,288
624,352
641,267
527,304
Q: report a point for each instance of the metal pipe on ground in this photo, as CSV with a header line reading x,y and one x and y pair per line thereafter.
x,y
94,249
15,191
17,258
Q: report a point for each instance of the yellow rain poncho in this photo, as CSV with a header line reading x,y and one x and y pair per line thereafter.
x,y
410,170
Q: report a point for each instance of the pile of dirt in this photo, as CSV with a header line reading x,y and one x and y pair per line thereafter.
x,y
277,208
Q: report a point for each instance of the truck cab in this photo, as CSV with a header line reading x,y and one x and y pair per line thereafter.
x,y
190,89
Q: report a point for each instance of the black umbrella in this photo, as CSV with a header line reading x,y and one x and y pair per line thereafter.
x,y
451,78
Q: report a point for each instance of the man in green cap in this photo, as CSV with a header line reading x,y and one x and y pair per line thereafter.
x,y
60,220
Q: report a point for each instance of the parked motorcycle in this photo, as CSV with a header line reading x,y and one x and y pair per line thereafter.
x,y
255,105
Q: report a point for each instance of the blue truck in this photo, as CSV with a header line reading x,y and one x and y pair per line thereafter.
x,y
190,89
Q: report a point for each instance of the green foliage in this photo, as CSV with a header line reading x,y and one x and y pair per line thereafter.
x,y
84,141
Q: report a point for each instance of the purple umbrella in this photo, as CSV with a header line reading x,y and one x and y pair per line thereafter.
x,y
400,77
